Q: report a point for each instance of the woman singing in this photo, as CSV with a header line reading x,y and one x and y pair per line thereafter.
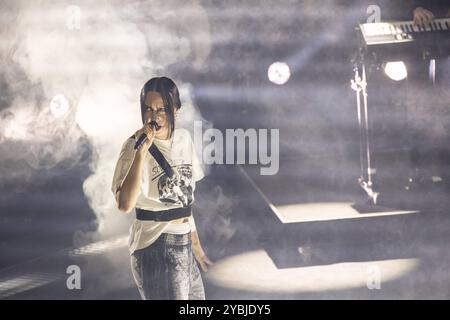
x,y
163,238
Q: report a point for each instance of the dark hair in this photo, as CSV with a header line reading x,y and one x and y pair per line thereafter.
x,y
170,95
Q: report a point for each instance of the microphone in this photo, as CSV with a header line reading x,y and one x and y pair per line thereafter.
x,y
144,137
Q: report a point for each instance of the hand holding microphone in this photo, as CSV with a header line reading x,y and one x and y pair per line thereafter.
x,y
146,136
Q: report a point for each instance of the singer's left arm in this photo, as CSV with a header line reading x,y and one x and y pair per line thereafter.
x,y
199,253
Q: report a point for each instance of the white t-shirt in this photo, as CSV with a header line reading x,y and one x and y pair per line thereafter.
x,y
157,193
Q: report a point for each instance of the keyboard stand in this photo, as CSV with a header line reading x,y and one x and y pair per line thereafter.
x,y
367,178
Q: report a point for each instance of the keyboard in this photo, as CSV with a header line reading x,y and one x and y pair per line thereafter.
x,y
391,41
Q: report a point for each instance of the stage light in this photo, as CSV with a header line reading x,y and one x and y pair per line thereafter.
x,y
100,247
279,73
327,211
59,105
238,272
396,70
25,282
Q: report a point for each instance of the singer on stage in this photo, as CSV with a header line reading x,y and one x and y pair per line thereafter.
x,y
156,173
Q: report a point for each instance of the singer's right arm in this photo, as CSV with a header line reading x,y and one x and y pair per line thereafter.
x,y
129,191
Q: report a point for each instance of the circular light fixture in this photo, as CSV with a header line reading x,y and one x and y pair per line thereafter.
x,y
279,73
59,105
396,70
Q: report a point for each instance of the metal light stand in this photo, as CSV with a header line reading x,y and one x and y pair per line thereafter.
x,y
366,180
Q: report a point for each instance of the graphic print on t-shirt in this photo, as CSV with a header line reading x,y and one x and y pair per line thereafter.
x,y
178,189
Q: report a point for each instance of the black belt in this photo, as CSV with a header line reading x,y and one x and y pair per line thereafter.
x,y
163,215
